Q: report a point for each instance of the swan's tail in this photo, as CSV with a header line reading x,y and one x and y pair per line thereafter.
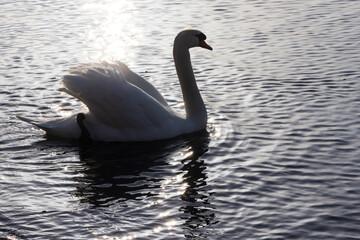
x,y
60,127
35,123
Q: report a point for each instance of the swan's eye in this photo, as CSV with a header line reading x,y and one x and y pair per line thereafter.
x,y
201,36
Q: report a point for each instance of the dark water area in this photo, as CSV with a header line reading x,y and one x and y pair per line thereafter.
x,y
280,158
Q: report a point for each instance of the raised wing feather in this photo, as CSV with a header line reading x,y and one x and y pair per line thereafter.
x,y
112,99
140,82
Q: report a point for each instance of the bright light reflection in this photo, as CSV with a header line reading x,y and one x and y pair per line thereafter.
x,y
159,201
164,214
128,237
167,181
182,189
12,238
188,154
179,178
170,224
157,229
116,33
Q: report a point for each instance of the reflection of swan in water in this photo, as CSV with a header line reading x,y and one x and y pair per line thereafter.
x,y
123,171
126,172
122,180
197,208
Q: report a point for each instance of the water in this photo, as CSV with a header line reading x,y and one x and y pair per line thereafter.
x,y
279,160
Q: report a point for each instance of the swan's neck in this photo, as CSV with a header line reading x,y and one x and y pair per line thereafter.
x,y
194,105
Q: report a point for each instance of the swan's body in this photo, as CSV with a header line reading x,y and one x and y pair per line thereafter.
x,y
125,107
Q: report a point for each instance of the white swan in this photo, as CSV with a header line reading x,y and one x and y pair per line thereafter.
x,y
125,107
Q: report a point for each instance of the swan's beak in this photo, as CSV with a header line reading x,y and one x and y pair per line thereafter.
x,y
203,44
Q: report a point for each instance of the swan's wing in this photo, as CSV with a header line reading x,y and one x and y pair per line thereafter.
x,y
112,99
140,82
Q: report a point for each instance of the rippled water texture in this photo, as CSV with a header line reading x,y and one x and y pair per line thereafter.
x,y
279,160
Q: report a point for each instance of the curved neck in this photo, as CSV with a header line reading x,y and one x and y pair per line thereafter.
x,y
194,105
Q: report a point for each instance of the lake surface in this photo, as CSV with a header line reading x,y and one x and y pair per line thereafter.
x,y
281,155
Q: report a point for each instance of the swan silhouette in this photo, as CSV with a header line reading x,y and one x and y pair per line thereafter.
x,y
125,107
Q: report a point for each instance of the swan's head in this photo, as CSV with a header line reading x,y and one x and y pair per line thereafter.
x,y
192,38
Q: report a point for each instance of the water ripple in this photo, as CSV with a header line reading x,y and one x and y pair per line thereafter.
x,y
279,159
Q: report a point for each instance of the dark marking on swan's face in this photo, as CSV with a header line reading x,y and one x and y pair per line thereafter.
x,y
201,36
202,43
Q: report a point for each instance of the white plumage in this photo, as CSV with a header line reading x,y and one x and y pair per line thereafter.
x,y
125,107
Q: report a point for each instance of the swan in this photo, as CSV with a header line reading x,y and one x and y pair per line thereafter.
x,y
125,107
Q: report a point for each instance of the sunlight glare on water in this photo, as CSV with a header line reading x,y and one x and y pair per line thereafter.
x,y
115,31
